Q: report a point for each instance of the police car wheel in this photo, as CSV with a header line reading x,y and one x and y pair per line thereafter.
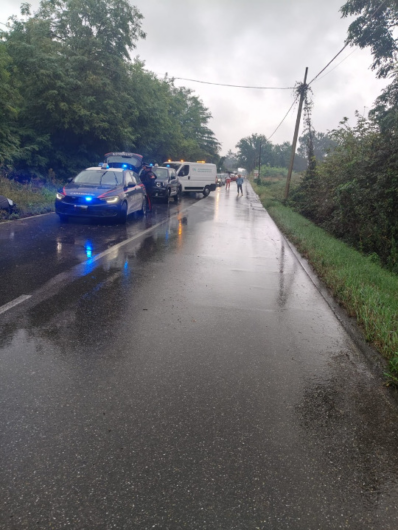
x,y
123,213
143,207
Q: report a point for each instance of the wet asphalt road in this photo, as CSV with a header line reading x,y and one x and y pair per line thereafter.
x,y
193,377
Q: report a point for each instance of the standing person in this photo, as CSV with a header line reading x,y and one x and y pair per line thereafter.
x,y
239,182
228,182
148,178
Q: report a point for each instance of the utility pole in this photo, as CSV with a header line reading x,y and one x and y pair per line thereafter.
x,y
296,131
259,166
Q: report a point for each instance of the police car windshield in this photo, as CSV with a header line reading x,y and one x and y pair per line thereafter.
x,y
99,178
161,173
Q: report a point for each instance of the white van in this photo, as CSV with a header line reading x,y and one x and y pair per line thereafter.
x,y
197,177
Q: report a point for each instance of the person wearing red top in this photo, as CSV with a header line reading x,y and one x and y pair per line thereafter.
x,y
228,182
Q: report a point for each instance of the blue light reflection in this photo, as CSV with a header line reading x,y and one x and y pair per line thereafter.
x,y
89,249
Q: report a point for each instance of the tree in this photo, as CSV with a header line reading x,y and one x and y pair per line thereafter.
x,y
9,103
322,144
374,28
230,162
249,151
79,95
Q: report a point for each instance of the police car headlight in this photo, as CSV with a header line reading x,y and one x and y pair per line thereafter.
x,y
112,200
59,196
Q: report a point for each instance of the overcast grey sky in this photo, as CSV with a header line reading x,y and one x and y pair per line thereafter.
x,y
254,42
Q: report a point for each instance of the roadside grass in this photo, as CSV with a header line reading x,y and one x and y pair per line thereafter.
x,y
367,291
29,199
273,187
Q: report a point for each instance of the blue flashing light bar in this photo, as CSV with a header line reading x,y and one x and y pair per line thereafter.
x,y
89,199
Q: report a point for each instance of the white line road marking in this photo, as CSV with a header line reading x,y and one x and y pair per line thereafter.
x,y
63,275
127,241
15,302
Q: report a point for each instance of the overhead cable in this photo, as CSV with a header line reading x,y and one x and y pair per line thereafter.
x,y
344,47
284,118
338,64
234,86
329,63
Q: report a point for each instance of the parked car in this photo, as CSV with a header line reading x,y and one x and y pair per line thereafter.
x,y
167,184
102,192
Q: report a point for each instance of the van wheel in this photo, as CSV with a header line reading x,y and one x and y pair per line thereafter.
x,y
206,191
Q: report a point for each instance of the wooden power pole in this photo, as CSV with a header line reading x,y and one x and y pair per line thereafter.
x,y
259,165
296,131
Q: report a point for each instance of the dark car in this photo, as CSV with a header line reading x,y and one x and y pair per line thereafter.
x,y
102,192
166,184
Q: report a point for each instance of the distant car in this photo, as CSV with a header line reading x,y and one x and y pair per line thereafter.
x,y
102,192
166,184
219,181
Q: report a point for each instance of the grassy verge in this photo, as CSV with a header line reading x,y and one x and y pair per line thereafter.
x,y
367,291
29,199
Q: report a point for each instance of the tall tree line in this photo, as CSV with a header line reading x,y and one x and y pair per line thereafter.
x,y
69,92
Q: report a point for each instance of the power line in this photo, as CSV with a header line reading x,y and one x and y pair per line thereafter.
x,y
338,64
234,86
329,63
344,47
284,118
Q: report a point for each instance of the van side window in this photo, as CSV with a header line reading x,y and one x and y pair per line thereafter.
x,y
184,171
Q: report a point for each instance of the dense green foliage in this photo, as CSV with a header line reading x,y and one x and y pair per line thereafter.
x,y
374,27
69,92
354,193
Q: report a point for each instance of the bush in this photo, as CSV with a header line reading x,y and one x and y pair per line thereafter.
x,y
354,192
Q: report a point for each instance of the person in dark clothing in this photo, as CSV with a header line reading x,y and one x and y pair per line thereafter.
x,y
239,182
148,178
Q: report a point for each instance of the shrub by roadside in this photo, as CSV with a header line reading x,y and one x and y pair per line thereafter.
x,y
361,285
29,199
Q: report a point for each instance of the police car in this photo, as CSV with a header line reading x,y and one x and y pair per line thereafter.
x,y
102,192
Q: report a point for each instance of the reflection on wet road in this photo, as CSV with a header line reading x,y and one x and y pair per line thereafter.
x,y
32,251
192,378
